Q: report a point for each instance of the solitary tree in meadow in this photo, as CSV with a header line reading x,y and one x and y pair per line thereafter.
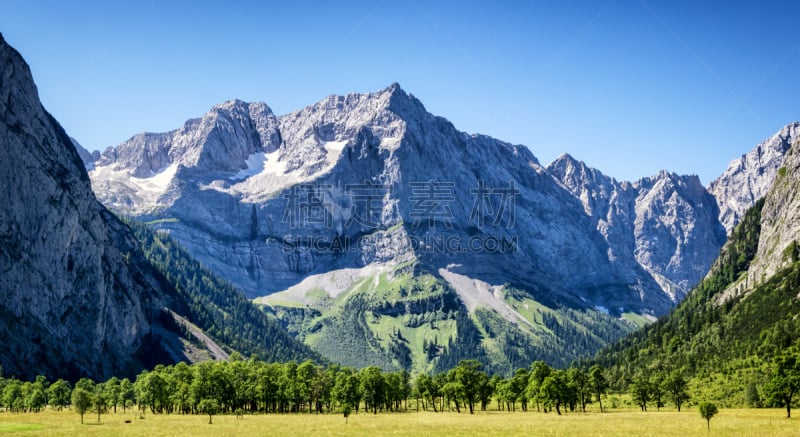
x,y
707,411
208,406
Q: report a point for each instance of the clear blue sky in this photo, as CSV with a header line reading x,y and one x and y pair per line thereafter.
x,y
630,87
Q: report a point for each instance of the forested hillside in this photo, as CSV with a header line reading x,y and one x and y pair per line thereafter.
x,y
217,307
726,342
417,322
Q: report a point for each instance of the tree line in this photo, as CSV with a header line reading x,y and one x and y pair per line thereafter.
x,y
253,386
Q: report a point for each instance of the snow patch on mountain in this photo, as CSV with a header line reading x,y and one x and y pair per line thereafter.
x,y
268,173
157,183
145,190
255,165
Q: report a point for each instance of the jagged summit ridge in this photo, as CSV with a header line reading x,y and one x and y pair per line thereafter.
x,y
665,224
229,131
749,177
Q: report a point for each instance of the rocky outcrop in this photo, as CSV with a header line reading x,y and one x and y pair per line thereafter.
x,y
749,177
77,297
665,225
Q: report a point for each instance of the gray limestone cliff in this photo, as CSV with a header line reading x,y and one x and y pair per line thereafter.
x,y
77,297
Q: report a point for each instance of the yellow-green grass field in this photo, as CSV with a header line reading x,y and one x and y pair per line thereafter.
x,y
729,422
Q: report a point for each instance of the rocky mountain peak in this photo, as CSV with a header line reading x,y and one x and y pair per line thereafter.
x,y
665,181
230,105
749,177
565,165
403,103
592,187
568,168
394,87
565,159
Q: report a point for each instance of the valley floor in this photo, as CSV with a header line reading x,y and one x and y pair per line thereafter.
x,y
729,422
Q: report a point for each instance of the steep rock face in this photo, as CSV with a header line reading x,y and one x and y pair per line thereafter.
x,y
665,225
780,221
677,231
77,296
373,168
749,177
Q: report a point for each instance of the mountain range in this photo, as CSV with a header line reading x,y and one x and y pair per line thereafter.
x,y
368,201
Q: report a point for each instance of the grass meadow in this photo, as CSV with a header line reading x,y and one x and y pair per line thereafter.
x,y
729,422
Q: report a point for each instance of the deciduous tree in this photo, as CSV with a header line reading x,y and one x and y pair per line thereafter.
x,y
553,391
373,386
598,383
707,411
81,401
208,406
59,394
675,387
785,382
468,375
